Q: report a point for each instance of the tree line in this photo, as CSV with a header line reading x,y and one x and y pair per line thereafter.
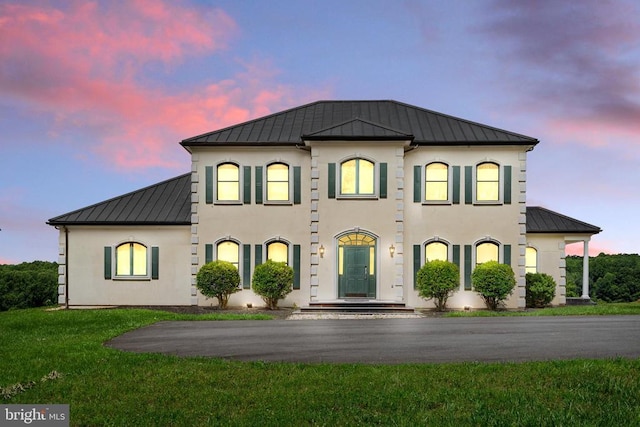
x,y
30,284
612,278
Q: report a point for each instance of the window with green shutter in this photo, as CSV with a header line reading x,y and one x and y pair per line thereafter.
x,y
331,181
296,266
258,185
246,185
383,180
297,185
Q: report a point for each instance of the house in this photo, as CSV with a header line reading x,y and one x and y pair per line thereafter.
x,y
354,195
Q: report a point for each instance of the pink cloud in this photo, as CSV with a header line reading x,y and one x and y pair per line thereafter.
x,y
86,65
595,248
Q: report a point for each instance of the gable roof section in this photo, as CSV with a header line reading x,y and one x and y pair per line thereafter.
x,y
358,129
542,220
290,126
165,203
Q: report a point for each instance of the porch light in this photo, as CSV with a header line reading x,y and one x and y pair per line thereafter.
x,y
392,250
321,249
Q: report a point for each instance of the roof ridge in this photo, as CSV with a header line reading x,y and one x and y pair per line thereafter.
x,y
359,119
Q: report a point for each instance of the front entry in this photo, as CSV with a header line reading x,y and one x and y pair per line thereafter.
x,y
356,266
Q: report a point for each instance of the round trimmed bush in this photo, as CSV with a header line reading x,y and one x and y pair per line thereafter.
x,y
541,288
272,281
218,279
438,279
494,282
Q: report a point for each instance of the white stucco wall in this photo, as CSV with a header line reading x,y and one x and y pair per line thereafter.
x,y
85,269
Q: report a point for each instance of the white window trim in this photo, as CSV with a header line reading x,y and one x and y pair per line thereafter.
x,y
376,180
240,183
265,186
500,200
449,200
114,263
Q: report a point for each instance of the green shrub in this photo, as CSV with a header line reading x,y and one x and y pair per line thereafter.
x,y
541,288
438,279
218,279
494,282
30,284
272,281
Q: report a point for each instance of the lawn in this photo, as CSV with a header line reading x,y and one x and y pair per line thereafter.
x,y
108,387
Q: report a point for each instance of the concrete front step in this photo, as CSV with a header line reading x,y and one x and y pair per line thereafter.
x,y
358,306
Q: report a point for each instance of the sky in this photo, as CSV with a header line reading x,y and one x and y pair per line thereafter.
x,y
96,95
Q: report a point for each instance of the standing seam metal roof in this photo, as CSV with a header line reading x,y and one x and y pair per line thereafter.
x,y
542,220
426,126
165,203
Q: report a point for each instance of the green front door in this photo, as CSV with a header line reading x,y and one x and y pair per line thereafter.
x,y
357,272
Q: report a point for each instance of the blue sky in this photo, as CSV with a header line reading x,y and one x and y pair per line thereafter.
x,y
95,96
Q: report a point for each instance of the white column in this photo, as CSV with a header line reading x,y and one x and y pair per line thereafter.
x,y
585,271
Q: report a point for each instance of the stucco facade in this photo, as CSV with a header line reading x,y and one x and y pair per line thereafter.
x,y
351,216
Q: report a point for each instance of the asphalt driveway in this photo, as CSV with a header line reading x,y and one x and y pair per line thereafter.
x,y
390,341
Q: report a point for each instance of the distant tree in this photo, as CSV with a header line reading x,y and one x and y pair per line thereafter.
x,y
30,284
494,282
612,278
438,279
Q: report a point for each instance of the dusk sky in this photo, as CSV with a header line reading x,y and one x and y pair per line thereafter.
x,y
95,96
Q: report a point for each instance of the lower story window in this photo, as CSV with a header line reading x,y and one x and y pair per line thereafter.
x,y
436,251
278,252
531,260
131,259
486,251
229,251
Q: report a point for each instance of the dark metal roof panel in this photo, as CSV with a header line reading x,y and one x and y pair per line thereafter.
x,y
542,220
168,202
428,127
358,129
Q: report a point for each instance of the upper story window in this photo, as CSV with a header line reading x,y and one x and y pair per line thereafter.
x,y
487,182
357,177
278,252
131,259
277,182
436,182
486,251
531,260
229,251
436,251
228,178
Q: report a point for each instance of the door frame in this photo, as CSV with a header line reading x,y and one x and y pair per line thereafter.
x,y
356,236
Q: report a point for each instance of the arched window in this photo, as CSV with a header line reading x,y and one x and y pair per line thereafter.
x,y
357,177
487,182
437,182
228,178
278,182
531,260
131,259
436,251
486,251
278,252
229,251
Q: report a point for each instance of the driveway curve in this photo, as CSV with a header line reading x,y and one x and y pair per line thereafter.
x,y
391,341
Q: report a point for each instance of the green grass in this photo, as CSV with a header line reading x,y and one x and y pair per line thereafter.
x,y
600,309
108,387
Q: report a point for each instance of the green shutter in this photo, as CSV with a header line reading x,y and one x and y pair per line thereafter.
x,y
507,255
155,262
208,172
416,265
208,253
258,254
456,185
383,180
467,267
297,185
107,262
507,185
468,185
456,255
247,185
417,183
246,266
296,266
332,181
258,184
